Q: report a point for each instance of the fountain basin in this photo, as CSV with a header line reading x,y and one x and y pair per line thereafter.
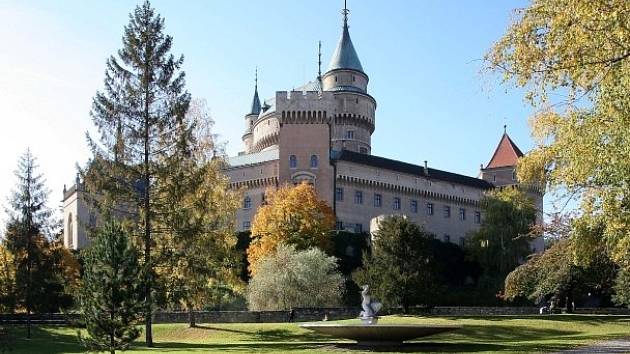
x,y
378,334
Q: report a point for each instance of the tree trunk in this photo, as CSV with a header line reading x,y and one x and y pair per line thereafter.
x,y
191,317
147,224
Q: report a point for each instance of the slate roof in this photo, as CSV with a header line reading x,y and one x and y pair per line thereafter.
x,y
345,57
255,103
415,170
254,158
506,153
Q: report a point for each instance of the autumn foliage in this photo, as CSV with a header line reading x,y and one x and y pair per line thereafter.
x,y
292,216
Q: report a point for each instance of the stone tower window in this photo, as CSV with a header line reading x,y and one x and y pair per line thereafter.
x,y
462,214
70,232
429,208
350,134
378,200
358,197
314,161
396,203
247,202
414,206
292,161
447,211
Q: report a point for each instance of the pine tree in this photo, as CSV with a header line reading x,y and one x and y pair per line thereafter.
x,y
111,299
143,100
29,223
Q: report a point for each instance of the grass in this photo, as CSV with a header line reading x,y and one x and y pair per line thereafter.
x,y
511,334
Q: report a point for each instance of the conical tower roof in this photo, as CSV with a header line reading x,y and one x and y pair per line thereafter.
x,y
256,101
506,154
345,56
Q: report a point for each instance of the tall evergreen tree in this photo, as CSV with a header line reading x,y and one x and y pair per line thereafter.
x,y
29,223
143,99
111,298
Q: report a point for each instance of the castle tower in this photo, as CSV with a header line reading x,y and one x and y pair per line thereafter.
x,y
353,116
501,171
250,117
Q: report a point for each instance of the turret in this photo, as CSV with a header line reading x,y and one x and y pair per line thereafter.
x,y
251,117
354,112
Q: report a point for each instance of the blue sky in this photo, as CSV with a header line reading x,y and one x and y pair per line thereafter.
x,y
423,59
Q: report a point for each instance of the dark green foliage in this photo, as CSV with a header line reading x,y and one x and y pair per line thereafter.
x,y
401,267
502,241
143,99
243,239
622,288
26,239
554,274
111,298
349,248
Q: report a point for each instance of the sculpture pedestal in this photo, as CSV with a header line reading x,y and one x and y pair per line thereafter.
x,y
369,320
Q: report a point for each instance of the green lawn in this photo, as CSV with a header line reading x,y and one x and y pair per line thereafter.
x,y
510,334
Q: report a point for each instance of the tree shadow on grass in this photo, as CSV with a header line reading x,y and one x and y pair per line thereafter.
x,y
43,340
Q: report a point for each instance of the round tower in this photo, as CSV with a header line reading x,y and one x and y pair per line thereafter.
x,y
353,114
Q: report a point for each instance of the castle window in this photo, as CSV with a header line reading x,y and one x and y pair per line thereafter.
x,y
447,238
292,161
70,232
358,197
354,78
314,161
335,78
263,199
246,225
429,208
447,211
350,134
247,203
514,175
462,214
358,228
477,217
339,194
396,203
339,225
414,206
494,178
378,200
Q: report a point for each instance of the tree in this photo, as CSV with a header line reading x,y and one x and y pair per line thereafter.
x,y
401,267
288,278
111,298
502,241
198,213
29,223
554,273
7,281
581,50
143,99
294,216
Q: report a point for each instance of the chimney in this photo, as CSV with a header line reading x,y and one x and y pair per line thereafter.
x,y
426,168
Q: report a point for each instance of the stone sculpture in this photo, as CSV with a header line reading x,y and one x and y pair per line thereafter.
x,y
370,307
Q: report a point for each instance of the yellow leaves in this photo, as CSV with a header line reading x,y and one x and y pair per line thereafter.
x,y
293,215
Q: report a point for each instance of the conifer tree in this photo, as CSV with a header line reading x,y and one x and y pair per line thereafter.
x,y
29,223
111,298
143,99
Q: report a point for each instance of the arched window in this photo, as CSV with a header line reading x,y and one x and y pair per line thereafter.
x,y
314,161
70,232
247,203
292,161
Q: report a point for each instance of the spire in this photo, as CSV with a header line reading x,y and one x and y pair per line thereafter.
x,y
345,57
506,153
256,101
319,63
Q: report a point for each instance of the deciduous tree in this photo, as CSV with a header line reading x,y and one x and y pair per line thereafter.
x,y
579,50
294,216
288,278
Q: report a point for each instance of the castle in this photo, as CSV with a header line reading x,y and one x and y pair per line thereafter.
x,y
320,133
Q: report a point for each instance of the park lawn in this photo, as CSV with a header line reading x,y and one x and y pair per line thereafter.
x,y
490,334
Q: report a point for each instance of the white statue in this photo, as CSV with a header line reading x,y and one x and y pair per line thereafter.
x,y
370,307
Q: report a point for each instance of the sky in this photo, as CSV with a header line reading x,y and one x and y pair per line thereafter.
x,y
424,60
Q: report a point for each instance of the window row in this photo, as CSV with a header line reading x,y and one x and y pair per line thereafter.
x,y
293,161
397,204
